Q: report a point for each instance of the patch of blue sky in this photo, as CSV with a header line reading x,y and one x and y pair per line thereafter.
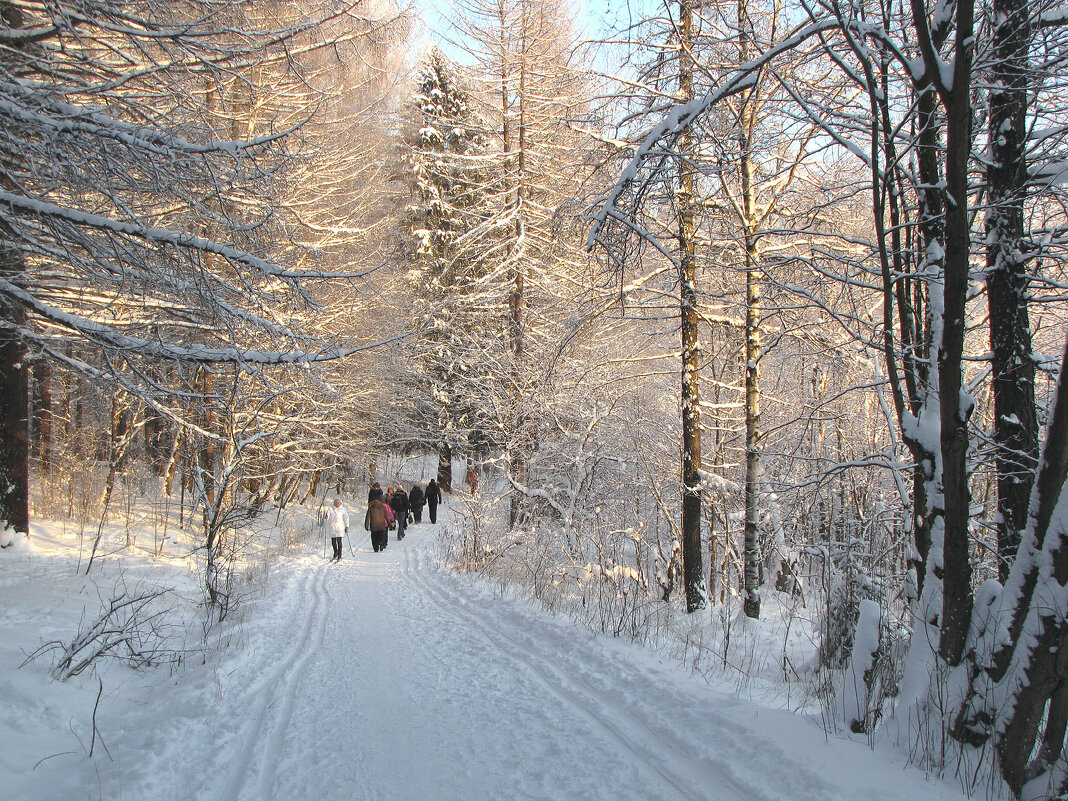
x,y
597,19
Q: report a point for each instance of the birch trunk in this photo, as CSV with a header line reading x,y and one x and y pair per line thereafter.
x,y
751,547
692,546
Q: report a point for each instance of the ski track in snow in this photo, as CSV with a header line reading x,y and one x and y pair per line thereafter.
x,y
274,699
385,678
638,744
662,750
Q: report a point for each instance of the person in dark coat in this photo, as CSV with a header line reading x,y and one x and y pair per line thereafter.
x,y
433,498
416,500
375,493
377,522
400,505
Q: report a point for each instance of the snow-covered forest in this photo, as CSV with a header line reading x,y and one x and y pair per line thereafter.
x,y
745,322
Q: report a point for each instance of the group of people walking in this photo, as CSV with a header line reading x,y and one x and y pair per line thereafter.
x,y
386,510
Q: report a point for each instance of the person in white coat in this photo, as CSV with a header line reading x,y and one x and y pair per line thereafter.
x,y
337,526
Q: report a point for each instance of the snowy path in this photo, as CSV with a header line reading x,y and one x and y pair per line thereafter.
x,y
384,678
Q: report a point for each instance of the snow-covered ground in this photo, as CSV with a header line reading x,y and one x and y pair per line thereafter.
x,y
383,677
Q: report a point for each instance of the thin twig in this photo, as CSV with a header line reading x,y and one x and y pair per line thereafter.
x,y
92,744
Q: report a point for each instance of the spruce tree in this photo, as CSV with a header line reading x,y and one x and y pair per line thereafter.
x,y
448,232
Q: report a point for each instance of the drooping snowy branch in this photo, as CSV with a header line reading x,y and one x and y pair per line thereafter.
x,y
658,148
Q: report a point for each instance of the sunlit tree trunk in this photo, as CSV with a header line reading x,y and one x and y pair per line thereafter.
x,y
751,536
692,545
517,299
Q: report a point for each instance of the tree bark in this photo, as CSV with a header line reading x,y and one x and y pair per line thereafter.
x,y
1042,681
14,379
206,457
751,537
313,485
751,604
692,545
173,458
1015,421
907,353
1052,474
445,467
43,413
14,412
954,506
918,357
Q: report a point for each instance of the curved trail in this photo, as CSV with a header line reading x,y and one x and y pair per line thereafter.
x,y
384,678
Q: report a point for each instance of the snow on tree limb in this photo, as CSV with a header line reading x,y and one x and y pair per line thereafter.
x,y
68,118
655,150
157,349
163,236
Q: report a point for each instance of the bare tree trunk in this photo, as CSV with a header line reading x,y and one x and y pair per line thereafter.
x,y
918,358
205,460
313,486
172,462
14,410
751,603
116,449
14,380
1050,482
160,436
43,413
692,544
1015,421
1039,679
905,305
517,301
746,122
445,468
956,497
